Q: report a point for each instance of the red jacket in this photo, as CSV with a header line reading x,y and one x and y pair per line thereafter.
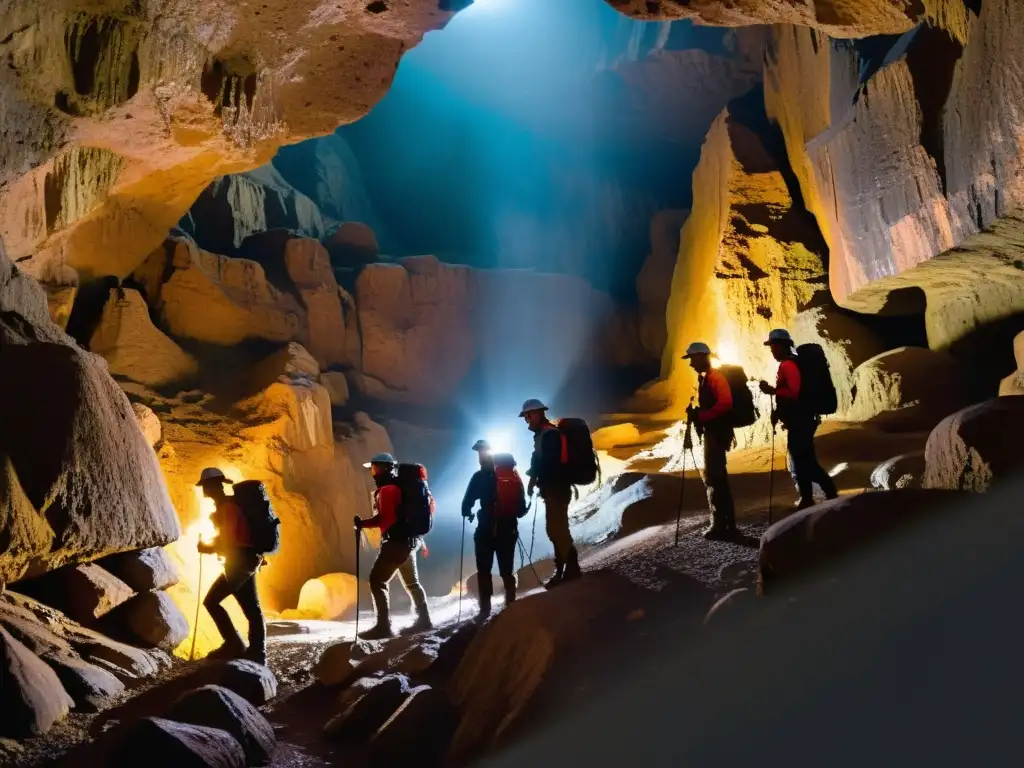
x,y
787,383
232,528
387,500
714,396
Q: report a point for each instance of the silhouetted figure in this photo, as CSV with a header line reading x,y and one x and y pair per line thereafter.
x,y
798,421
547,475
499,490
241,562
712,420
400,519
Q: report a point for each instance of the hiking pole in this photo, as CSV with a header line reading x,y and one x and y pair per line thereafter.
x,y
522,557
533,528
199,601
462,563
687,439
771,471
359,546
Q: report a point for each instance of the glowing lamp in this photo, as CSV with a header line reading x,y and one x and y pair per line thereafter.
x,y
499,442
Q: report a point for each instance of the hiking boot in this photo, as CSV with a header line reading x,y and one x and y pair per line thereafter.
x,y
716,533
257,654
379,631
422,623
802,504
510,589
485,607
572,566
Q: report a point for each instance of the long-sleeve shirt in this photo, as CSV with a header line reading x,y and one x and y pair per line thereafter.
x,y
483,488
714,396
232,528
546,461
389,497
787,383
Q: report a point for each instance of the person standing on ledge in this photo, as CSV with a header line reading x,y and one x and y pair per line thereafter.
x,y
241,562
397,553
712,420
798,421
502,502
547,476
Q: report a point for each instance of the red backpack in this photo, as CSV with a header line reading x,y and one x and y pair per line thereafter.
x,y
510,499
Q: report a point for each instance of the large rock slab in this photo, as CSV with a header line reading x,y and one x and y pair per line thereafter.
x,y
134,348
361,720
975,449
83,592
329,596
32,696
820,536
219,708
92,688
151,619
308,265
168,744
69,445
418,731
145,570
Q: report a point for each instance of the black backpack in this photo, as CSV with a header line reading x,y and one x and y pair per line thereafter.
x,y
581,466
416,512
817,391
744,412
264,525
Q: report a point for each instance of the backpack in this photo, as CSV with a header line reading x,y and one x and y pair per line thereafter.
x,y
416,512
579,459
744,412
264,525
510,498
817,392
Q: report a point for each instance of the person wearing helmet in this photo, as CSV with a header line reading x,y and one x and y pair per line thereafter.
x,y
241,563
798,421
397,552
546,476
496,535
712,421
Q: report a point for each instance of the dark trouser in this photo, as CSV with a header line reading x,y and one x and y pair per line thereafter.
x,y
397,555
238,579
716,478
803,462
556,523
496,537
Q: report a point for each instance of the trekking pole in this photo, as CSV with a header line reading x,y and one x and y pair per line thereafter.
x,y
199,601
687,439
771,472
462,563
533,528
359,546
522,557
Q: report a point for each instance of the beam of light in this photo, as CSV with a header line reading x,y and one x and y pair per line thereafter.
x,y
500,441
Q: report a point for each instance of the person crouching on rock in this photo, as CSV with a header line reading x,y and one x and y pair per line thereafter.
x,y
712,421
547,476
397,551
502,502
239,578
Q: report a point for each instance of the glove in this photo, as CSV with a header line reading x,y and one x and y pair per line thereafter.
x,y
358,522
471,517
531,487
766,388
204,548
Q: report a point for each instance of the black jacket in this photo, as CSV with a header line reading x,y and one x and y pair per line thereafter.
x,y
483,487
546,461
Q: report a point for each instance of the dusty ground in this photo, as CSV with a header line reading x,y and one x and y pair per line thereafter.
x,y
683,580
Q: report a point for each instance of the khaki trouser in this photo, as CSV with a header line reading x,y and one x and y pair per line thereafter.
x,y
716,476
396,556
556,519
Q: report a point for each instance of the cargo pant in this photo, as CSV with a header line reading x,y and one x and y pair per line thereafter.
x,y
238,579
496,537
716,478
397,555
802,461
556,520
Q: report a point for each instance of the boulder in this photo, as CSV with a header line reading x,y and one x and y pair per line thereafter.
x,y
83,592
69,445
417,732
329,596
216,707
368,713
160,743
345,662
153,619
253,682
309,268
337,387
92,688
353,244
974,449
821,535
32,696
897,390
899,472
350,694
145,570
134,348
520,649
149,423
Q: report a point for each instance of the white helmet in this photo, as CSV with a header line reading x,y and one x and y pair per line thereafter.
x,y
381,458
532,404
211,474
697,348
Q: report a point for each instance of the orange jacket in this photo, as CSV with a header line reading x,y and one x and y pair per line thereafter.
x,y
232,528
714,396
387,500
